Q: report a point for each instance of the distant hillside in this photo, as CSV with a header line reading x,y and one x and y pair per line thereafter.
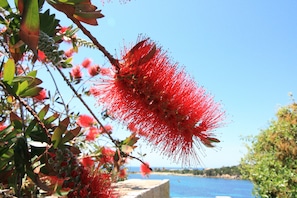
x,y
232,172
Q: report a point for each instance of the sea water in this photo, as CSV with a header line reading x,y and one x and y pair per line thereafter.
x,y
202,187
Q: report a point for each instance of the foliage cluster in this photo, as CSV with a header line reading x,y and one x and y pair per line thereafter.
x,y
271,161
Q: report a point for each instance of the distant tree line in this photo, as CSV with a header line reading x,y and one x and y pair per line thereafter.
x,y
233,171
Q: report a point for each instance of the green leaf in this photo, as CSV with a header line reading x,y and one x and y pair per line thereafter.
x,y
71,2
21,155
48,23
31,92
9,70
50,119
22,87
59,131
29,29
30,127
43,111
32,73
131,140
32,81
70,135
5,131
12,134
3,150
4,4
35,82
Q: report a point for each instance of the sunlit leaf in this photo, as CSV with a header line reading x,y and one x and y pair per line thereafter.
x,y
131,140
4,4
127,149
22,87
10,99
9,70
32,73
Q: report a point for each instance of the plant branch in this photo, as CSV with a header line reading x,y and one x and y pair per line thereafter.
x,y
86,106
111,59
57,89
25,104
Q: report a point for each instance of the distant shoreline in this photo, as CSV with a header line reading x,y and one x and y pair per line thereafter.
x,y
228,172
224,176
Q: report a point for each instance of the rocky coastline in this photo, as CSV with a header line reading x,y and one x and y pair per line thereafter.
x,y
229,172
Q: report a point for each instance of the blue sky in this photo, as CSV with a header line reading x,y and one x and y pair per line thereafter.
x,y
244,53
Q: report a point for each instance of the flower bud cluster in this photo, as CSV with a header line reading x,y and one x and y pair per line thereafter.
x,y
51,50
64,163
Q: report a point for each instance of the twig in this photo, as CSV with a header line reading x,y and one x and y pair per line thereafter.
x,y
86,106
25,104
111,59
57,89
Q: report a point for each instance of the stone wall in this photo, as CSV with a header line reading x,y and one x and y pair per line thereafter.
x,y
143,188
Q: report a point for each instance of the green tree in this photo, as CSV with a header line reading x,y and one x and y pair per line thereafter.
x,y
271,161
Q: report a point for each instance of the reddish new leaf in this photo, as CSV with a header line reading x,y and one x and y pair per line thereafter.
x,y
29,29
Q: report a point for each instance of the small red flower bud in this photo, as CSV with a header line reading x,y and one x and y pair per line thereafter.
x,y
85,121
92,134
145,169
41,96
76,72
86,63
93,70
41,56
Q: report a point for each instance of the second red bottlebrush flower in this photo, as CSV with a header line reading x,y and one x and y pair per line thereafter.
x,y
161,101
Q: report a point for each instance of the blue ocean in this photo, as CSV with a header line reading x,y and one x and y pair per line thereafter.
x,y
200,187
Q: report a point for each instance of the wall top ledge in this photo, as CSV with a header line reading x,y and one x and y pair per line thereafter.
x,y
143,188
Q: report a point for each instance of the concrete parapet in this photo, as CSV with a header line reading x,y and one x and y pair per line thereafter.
x,y
143,188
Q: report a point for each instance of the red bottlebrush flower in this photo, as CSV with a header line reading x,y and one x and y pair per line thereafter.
x,y
86,63
93,184
76,72
85,121
41,56
92,134
41,96
163,103
87,161
94,70
145,169
107,155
